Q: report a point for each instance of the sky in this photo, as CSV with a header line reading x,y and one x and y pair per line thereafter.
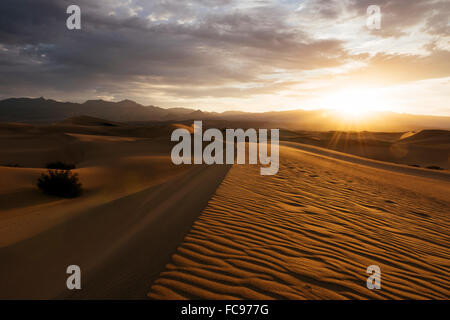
x,y
221,55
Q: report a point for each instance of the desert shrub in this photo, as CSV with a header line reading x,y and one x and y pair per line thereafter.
x,y
435,168
60,183
59,165
11,165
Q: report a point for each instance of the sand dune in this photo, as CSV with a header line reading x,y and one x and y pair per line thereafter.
x,y
135,209
421,172
310,233
28,212
428,136
113,235
424,148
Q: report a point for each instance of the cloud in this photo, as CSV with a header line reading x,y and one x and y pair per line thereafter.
x,y
400,16
387,69
181,51
218,48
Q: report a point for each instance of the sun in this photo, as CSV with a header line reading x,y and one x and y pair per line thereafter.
x,y
352,104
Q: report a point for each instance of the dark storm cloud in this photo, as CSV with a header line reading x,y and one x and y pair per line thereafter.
x,y
178,46
219,46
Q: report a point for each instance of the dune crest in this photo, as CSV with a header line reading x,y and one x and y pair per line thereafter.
x,y
310,233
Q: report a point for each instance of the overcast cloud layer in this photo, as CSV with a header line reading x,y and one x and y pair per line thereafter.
x,y
219,55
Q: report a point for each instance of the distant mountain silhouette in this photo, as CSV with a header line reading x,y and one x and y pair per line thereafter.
x,y
48,111
42,110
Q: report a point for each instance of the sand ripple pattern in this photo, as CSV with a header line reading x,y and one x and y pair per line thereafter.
x,y
310,233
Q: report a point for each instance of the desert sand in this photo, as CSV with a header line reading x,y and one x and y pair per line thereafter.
x,y
311,231
144,227
135,210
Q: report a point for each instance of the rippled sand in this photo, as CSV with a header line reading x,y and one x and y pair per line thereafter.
x,y
311,231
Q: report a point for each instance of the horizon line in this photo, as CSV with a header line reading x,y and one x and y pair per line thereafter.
x,y
217,112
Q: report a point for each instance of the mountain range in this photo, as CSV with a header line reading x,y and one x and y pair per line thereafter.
x,y
42,110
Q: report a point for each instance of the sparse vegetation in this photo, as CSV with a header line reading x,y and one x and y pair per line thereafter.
x,y
12,165
60,183
435,168
59,165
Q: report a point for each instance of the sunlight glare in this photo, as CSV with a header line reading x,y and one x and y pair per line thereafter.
x,y
353,103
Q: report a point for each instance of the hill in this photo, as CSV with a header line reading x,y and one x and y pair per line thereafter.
x,y
42,110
